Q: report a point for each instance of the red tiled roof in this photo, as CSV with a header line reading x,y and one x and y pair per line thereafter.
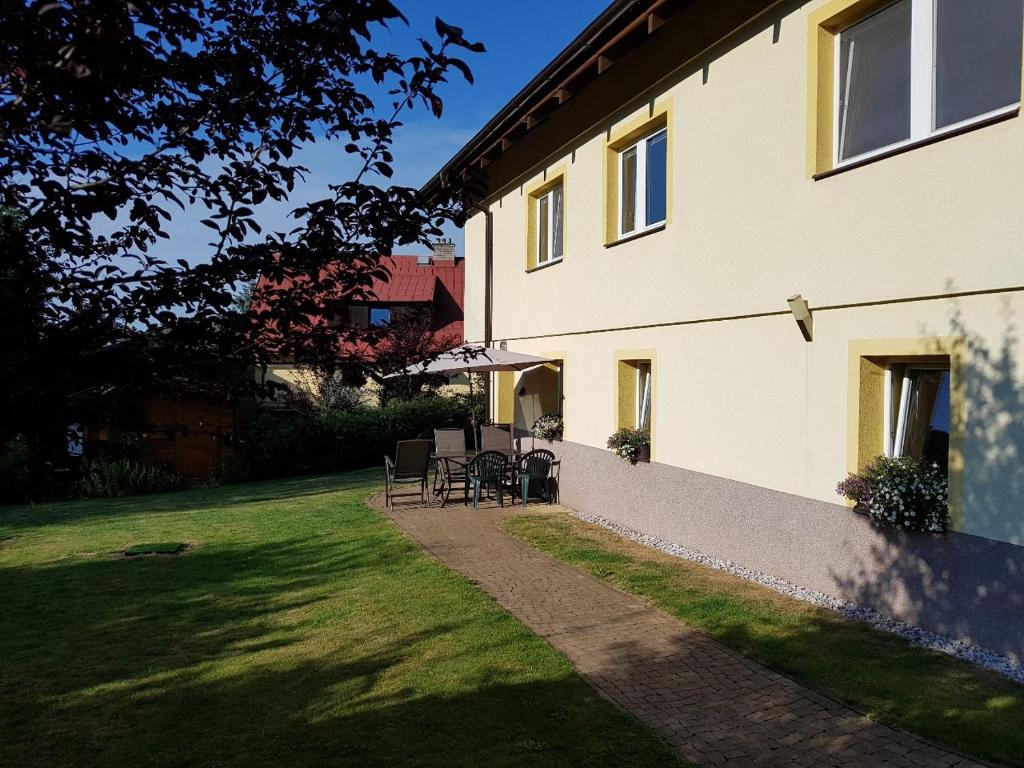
x,y
410,281
439,283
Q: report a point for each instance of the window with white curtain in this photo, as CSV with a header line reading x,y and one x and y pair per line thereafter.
x,y
643,171
643,395
918,68
550,217
917,412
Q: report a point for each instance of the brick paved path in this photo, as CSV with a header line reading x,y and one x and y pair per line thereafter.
x,y
712,704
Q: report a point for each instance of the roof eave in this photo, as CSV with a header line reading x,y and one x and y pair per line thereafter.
x,y
549,84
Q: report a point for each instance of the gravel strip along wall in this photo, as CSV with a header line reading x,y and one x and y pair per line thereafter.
x,y
982,657
955,585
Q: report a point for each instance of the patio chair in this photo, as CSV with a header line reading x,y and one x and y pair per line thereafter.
x,y
454,441
449,440
494,437
533,468
487,470
411,465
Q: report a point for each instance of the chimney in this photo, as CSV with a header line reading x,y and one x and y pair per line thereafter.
x,y
444,249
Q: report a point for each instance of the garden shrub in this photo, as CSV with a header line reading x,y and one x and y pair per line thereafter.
x,y
124,477
900,492
15,470
279,444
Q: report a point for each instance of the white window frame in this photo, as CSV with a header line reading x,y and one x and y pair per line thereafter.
x,y
640,192
550,197
561,388
643,392
894,414
922,87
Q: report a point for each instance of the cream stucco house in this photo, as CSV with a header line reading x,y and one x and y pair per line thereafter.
x,y
661,190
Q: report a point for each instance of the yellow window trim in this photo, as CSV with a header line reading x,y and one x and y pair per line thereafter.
x,y
506,410
625,389
535,190
507,385
865,430
823,28
559,368
659,116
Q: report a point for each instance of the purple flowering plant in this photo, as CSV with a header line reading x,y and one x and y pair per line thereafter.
x,y
900,492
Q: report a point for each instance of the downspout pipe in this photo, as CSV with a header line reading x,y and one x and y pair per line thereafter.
x,y
488,291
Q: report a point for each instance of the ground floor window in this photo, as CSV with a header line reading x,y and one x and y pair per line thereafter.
x,y
643,394
635,391
917,412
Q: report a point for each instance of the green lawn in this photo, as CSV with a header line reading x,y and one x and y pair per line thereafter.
x,y
298,628
887,678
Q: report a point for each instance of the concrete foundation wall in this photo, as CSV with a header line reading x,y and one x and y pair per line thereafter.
x,y
957,584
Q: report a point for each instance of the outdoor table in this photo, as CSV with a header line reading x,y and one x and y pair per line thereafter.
x,y
446,459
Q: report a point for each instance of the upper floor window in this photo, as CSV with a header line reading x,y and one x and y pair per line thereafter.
x,y
643,177
550,218
918,68
545,219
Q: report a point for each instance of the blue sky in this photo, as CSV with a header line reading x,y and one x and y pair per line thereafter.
x,y
520,38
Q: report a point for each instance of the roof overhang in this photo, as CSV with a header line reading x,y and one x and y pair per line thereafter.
x,y
622,27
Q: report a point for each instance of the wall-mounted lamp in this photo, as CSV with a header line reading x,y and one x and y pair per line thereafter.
x,y
503,346
802,315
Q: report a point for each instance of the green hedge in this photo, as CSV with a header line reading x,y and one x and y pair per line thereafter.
x,y
282,444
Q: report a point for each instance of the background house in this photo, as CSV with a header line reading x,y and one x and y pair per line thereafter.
x,y
425,292
659,192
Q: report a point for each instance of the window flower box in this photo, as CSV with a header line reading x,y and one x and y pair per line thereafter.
x,y
902,493
633,445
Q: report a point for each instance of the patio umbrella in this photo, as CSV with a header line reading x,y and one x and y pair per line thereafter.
x,y
469,359
472,358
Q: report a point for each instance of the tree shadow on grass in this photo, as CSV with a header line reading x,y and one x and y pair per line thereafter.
x,y
76,624
289,653
336,713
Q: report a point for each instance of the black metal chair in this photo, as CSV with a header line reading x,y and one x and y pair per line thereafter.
x,y
485,471
533,468
411,465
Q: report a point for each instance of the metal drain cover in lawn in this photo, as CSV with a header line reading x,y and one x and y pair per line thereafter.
x,y
163,548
